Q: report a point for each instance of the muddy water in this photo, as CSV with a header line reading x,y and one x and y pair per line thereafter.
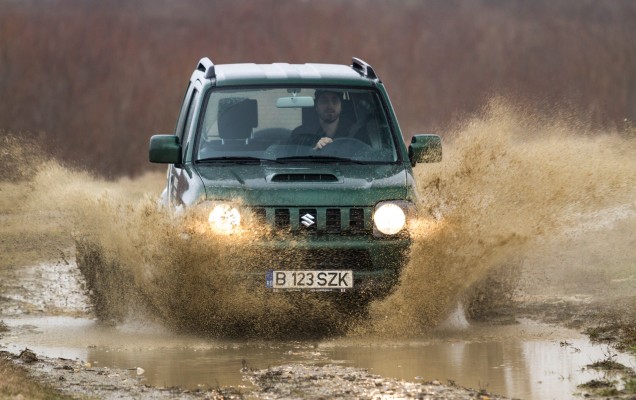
x,y
510,182
526,360
513,189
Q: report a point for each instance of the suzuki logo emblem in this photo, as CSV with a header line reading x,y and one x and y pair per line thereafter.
x,y
307,220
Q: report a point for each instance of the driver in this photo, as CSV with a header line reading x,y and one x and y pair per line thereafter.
x,y
330,126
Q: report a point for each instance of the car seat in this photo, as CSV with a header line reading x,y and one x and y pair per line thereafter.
x,y
237,117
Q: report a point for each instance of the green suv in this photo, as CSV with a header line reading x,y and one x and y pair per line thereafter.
x,y
311,152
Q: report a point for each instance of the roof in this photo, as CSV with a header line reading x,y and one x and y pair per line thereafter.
x,y
283,73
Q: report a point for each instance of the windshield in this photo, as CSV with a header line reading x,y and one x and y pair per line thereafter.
x,y
295,125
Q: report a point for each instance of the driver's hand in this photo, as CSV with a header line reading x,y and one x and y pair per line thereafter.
x,y
323,142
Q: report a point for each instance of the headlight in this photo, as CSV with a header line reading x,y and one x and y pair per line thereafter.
x,y
389,218
224,219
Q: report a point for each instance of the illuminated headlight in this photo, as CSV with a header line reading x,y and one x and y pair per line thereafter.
x,y
224,219
389,218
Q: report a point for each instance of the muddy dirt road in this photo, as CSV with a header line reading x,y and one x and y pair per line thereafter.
x,y
526,253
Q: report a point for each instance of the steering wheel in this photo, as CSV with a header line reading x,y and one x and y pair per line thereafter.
x,y
345,147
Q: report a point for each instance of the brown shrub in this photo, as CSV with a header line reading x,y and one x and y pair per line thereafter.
x,y
94,79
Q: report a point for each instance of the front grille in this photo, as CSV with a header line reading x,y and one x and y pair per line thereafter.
x,y
316,220
332,221
260,215
281,218
356,219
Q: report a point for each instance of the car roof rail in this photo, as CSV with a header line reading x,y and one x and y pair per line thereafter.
x,y
207,67
363,68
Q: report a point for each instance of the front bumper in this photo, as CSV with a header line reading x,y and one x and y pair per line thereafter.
x,y
376,263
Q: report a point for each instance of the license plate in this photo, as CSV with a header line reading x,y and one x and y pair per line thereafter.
x,y
339,279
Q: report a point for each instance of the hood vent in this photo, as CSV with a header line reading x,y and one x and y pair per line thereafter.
x,y
304,178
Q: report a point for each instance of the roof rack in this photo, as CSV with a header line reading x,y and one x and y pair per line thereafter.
x,y
363,68
207,67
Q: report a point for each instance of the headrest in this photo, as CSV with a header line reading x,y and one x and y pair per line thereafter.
x,y
237,117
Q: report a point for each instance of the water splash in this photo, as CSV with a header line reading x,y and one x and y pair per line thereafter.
x,y
509,180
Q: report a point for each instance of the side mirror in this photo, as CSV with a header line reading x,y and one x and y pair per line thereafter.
x,y
165,149
425,148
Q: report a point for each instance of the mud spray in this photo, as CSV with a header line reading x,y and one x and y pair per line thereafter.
x,y
509,180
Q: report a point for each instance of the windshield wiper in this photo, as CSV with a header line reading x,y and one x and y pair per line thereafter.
x,y
234,159
318,159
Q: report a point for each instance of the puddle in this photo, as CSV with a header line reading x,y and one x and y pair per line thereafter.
x,y
499,194
526,360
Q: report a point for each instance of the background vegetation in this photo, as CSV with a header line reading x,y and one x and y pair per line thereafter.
x,y
92,80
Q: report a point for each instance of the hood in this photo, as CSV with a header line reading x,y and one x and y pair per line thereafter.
x,y
305,185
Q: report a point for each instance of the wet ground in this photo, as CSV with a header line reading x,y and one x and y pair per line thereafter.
x,y
526,360
559,203
45,309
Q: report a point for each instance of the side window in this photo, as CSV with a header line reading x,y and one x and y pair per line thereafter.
x,y
185,136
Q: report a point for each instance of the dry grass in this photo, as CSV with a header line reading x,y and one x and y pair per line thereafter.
x,y
15,383
94,79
